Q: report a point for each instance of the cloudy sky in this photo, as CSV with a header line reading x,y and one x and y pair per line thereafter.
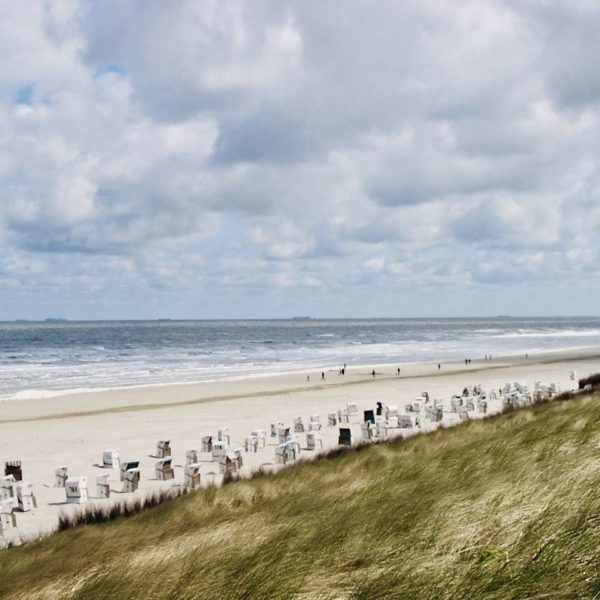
x,y
215,158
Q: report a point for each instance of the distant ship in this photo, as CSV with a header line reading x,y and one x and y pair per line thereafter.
x,y
55,320
301,318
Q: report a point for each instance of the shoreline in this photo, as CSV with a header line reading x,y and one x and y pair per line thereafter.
x,y
128,399
74,429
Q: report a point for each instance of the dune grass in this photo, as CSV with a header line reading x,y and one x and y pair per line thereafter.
x,y
503,508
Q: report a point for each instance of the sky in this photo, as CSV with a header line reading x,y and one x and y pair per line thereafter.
x,y
230,159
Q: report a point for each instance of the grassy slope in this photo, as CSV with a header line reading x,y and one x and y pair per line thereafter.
x,y
506,508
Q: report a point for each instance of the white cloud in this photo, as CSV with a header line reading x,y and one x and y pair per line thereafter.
x,y
211,152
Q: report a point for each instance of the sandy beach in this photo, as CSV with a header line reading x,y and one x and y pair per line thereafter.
x,y
73,429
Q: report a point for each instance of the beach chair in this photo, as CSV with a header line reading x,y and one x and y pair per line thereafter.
x,y
163,449
206,443
280,455
332,419
191,456
224,436
25,498
463,415
60,476
314,426
314,441
127,465
7,487
76,490
314,419
283,434
343,416
292,450
367,431
163,469
298,425
251,443
417,405
345,436
131,480
237,454
408,421
219,449
8,518
261,437
390,410
352,409
191,474
227,465
369,416
102,486
382,429
13,467
110,458
455,403
275,427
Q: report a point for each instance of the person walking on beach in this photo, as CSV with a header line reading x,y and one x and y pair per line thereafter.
x,y
322,375
398,371
373,373
439,366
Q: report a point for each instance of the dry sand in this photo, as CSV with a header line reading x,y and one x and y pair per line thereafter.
x,y
74,429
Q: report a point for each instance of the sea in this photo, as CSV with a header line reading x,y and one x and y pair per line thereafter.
x,y
51,358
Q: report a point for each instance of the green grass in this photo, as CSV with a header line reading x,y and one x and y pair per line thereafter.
x,y
504,508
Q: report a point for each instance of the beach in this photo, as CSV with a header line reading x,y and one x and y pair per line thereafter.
x,y
73,429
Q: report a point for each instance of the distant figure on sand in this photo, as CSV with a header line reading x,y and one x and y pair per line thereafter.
x,y
373,373
398,371
439,366
308,378
322,375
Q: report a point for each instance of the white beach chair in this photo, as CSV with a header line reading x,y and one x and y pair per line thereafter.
x,y
76,490
261,437
352,409
219,449
298,425
343,416
102,486
206,443
60,476
191,456
332,419
280,455
127,465
25,498
131,480
7,486
110,458
292,450
163,449
8,519
283,434
251,443
314,441
315,419
224,436
408,421
314,426
192,475
382,429
163,469
390,410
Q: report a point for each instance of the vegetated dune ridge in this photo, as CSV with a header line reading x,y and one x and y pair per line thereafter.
x,y
508,507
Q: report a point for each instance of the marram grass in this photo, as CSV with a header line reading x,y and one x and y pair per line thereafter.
x,y
503,508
